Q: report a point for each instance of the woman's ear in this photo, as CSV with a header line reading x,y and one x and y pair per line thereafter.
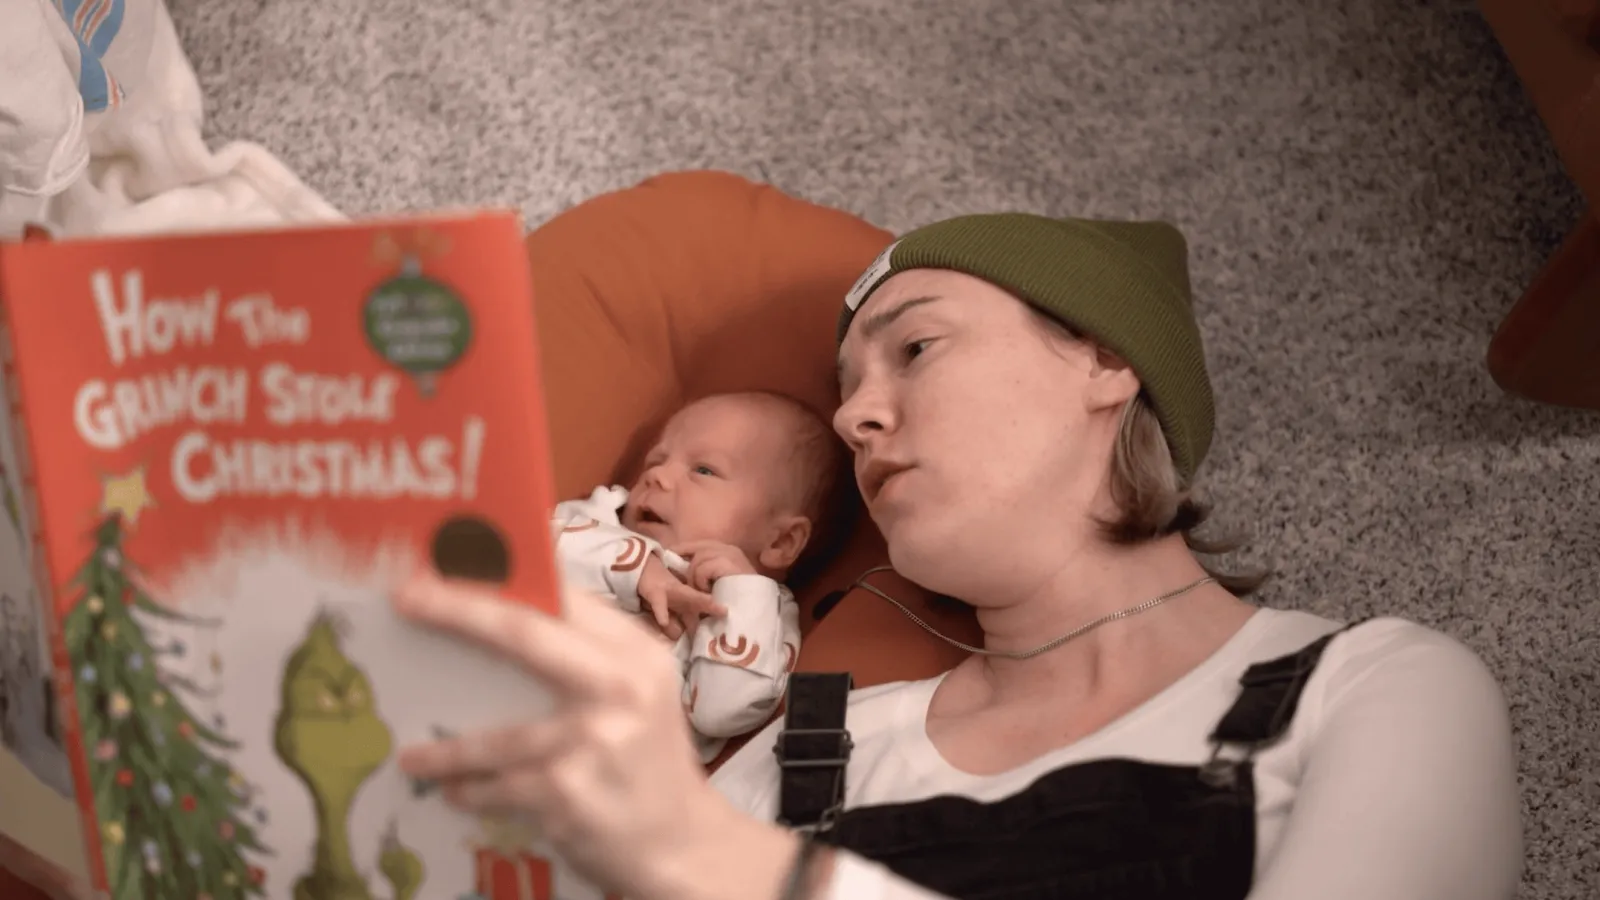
x,y
1112,382
787,543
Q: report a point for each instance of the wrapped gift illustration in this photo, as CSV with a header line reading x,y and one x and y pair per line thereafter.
x,y
513,875
505,864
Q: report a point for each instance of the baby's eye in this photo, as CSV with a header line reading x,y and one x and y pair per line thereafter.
x,y
705,470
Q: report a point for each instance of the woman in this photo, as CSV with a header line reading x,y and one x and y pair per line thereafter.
x,y
1027,403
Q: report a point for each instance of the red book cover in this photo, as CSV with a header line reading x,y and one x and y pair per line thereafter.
x,y
222,451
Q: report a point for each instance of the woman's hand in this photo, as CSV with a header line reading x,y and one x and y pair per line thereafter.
x,y
610,778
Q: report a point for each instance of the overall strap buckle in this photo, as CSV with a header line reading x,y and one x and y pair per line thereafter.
x,y
813,750
816,749
1269,696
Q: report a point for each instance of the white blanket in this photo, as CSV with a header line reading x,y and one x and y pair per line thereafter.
x,y
100,130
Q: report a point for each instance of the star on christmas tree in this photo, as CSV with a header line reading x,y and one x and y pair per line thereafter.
x,y
126,495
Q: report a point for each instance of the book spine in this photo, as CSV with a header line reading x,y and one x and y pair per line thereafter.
x,y
32,877
47,876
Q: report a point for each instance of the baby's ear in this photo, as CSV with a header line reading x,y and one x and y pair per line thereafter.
x,y
788,541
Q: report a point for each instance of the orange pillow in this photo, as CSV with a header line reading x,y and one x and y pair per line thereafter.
x,y
693,283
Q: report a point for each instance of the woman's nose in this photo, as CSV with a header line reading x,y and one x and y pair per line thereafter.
x,y
865,413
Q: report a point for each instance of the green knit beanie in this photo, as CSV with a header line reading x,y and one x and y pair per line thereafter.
x,y
1123,284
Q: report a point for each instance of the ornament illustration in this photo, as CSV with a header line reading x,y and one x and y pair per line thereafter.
x,y
415,322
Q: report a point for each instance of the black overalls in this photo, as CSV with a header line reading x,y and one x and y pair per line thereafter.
x,y
1114,829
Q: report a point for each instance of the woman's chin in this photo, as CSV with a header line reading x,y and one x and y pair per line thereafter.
x,y
917,558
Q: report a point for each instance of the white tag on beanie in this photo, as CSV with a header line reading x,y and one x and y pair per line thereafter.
x,y
869,278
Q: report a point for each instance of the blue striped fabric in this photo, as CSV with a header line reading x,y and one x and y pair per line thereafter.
x,y
95,24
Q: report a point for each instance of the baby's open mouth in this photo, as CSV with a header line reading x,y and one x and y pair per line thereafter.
x,y
649,515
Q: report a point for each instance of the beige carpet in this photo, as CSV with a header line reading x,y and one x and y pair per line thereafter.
x,y
1365,186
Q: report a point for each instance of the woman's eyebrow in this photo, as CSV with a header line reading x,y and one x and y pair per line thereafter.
x,y
883,318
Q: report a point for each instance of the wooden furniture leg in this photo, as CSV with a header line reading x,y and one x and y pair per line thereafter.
x,y
1548,347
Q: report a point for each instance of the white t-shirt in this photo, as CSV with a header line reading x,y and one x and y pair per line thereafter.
x,y
1397,779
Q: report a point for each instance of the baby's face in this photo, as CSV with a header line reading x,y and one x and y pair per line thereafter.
x,y
715,474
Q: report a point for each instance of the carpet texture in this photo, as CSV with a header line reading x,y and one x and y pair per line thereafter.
x,y
1365,186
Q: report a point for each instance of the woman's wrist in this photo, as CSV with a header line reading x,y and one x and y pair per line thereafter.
x,y
727,855
809,873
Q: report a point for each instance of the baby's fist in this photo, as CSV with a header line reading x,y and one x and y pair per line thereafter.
x,y
711,560
675,606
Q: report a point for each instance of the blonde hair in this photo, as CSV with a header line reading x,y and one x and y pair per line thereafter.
x,y
1152,500
821,489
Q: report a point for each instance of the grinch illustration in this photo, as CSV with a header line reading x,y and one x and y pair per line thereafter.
x,y
329,734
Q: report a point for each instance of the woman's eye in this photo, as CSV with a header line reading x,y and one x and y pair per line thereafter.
x,y
913,349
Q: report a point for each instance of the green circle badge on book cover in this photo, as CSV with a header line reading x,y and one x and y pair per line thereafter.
x,y
415,322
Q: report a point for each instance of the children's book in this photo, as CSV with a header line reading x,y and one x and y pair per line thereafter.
x,y
222,453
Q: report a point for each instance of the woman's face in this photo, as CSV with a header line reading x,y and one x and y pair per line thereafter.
x,y
982,441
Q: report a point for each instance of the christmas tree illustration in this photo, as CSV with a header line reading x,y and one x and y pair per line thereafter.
x,y
174,816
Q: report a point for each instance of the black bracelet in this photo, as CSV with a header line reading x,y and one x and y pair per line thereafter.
x,y
799,873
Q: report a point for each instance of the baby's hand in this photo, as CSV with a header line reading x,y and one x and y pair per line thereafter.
x,y
711,560
673,604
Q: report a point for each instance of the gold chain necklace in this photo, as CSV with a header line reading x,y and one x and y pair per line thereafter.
x,y
1042,648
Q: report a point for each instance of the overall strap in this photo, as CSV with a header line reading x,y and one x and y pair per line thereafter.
x,y
813,748
1266,705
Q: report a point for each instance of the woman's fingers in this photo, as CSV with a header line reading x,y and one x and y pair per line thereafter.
x,y
509,792
496,750
544,795
559,652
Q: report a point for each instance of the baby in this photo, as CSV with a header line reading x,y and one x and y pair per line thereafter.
x,y
730,497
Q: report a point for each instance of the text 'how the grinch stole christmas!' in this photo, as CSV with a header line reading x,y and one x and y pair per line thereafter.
x,y
134,325
203,468
110,414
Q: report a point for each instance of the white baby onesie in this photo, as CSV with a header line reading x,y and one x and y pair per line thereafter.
x,y
736,668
